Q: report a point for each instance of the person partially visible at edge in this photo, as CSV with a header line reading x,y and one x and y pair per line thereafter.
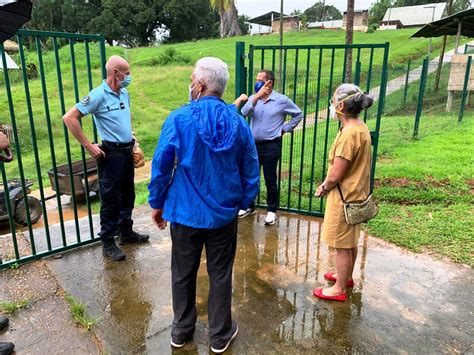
x,y
268,110
109,104
5,347
4,142
215,175
349,166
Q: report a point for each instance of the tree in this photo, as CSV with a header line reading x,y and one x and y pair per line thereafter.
x,y
460,5
378,10
46,15
349,36
318,11
296,12
399,3
190,19
76,15
243,24
134,23
229,19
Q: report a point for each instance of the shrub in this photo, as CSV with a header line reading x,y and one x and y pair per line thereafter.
x,y
170,56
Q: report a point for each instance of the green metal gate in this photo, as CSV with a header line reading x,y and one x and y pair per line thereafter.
x,y
308,74
56,69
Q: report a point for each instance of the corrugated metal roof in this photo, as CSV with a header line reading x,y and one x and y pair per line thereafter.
x,y
415,15
326,24
449,25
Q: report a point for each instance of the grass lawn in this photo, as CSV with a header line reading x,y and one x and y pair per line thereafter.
x,y
426,187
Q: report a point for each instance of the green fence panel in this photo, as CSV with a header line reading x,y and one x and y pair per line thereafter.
x,y
309,75
56,69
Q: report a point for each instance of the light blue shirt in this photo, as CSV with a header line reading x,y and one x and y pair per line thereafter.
x,y
111,112
268,117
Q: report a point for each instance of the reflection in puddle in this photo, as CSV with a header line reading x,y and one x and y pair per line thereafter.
x,y
275,270
277,267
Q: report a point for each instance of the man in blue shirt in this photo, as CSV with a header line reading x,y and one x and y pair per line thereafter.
x,y
110,106
216,173
268,110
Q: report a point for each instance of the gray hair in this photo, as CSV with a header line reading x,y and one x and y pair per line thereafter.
x,y
356,101
213,73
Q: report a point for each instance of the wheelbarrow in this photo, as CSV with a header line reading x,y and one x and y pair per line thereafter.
x,y
78,177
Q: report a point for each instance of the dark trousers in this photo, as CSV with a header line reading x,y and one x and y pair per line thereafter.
x,y
117,192
269,153
187,247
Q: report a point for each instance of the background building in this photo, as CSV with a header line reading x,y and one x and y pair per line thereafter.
x,y
412,16
361,20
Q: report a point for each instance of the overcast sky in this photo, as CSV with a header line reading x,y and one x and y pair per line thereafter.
x,y
254,8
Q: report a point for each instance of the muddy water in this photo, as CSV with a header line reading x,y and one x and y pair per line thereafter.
x,y
402,302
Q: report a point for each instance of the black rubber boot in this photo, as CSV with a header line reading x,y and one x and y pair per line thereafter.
x,y
3,322
132,237
112,251
6,348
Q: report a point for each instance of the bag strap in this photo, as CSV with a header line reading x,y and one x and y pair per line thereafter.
x,y
340,193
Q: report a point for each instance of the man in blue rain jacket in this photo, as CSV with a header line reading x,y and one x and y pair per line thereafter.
x,y
204,170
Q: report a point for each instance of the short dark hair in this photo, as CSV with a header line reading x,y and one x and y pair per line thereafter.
x,y
269,75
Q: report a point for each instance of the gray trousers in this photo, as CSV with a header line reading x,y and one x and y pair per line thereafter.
x,y
187,248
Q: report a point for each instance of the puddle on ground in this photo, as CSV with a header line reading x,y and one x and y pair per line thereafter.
x,y
402,302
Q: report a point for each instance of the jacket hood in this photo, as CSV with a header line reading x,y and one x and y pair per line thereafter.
x,y
216,122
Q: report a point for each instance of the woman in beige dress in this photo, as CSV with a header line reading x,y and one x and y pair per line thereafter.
x,y
349,166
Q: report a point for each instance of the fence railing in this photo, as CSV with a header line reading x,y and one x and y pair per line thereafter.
x,y
418,91
56,70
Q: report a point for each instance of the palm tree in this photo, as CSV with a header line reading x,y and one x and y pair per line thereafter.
x,y
229,19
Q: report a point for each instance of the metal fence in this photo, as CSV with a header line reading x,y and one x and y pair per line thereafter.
x,y
309,75
55,70
428,95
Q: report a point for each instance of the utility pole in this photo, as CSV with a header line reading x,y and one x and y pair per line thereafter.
x,y
443,49
280,67
349,36
323,16
432,19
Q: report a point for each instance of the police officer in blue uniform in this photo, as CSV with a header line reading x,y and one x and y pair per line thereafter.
x,y
109,105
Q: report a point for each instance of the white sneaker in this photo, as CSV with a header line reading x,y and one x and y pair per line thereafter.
x,y
247,212
270,219
235,329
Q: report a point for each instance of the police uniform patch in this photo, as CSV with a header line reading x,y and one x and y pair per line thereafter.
x,y
86,100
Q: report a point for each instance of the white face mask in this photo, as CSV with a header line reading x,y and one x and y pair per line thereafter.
x,y
332,111
191,88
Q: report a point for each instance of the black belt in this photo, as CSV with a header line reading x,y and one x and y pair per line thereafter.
x,y
276,140
112,147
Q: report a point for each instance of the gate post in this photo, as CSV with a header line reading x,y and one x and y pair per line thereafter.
x,y
383,89
421,94
465,88
405,91
240,74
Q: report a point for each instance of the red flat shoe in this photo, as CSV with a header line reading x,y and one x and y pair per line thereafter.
x,y
318,292
330,277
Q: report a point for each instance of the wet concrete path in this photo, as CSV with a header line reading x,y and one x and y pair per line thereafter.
x,y
403,302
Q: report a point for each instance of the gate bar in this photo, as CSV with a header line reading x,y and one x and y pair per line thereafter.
x,y
50,136
83,153
66,138
318,94
17,149
34,143
325,151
